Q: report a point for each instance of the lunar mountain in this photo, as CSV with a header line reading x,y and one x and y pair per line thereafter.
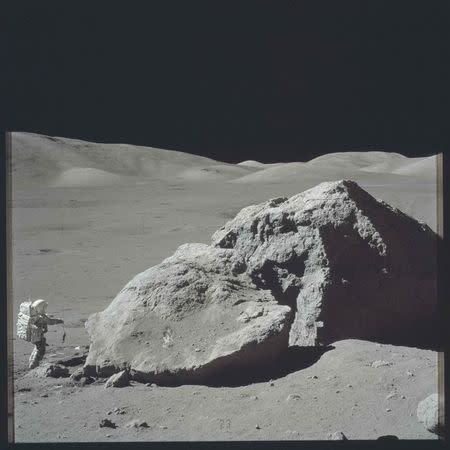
x,y
328,264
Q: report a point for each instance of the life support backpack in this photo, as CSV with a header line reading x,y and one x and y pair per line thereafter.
x,y
26,327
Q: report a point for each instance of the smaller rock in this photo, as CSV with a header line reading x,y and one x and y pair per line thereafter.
x,y
77,374
120,379
403,397
109,413
409,373
349,386
388,409
137,424
106,423
376,364
271,383
293,397
44,395
163,427
337,436
120,410
153,385
257,427
51,370
387,437
254,397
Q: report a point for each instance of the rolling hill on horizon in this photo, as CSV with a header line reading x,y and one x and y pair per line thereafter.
x,y
63,162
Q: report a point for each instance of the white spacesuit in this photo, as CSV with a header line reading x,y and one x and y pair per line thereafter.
x,y
32,326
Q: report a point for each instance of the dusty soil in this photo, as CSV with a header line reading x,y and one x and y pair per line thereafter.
x,y
341,392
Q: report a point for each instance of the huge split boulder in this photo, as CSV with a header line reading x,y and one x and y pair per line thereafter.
x,y
187,319
349,265
328,264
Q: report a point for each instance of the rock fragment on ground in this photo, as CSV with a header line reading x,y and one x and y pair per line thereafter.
x,y
77,374
50,370
137,424
106,423
376,364
337,436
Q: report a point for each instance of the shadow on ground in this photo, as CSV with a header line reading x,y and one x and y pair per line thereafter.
x,y
291,360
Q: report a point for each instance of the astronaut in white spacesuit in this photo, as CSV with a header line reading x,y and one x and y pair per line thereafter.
x,y
32,326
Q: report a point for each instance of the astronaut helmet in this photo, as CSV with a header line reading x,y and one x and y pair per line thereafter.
x,y
39,306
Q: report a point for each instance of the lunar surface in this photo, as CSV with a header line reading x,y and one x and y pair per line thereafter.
x,y
87,218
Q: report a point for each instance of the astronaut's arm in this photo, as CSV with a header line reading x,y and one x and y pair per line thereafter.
x,y
53,320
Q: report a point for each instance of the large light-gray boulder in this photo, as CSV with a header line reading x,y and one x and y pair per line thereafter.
x,y
348,265
186,319
428,414
328,264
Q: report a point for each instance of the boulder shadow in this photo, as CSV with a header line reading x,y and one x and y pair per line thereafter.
x,y
291,360
237,371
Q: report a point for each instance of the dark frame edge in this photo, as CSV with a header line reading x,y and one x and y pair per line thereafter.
x,y
8,296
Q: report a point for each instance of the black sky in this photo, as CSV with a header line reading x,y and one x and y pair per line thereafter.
x,y
280,80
